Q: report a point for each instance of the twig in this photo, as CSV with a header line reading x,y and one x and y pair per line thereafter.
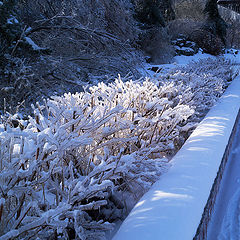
x,y
18,41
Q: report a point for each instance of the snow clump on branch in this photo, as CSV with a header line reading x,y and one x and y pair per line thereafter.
x,y
65,172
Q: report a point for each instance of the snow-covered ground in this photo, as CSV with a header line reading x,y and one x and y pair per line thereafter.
x,y
232,54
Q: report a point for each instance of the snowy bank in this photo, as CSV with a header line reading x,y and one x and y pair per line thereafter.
x,y
173,207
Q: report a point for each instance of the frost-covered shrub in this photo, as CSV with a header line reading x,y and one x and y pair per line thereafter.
x,y
12,32
67,171
10,28
115,17
207,79
68,44
15,75
16,85
63,174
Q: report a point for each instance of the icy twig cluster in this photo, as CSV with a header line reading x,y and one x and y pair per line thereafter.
x,y
207,80
63,174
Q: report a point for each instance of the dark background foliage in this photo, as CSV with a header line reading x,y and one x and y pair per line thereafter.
x,y
52,47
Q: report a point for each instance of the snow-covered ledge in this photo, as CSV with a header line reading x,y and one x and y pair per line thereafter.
x,y
174,206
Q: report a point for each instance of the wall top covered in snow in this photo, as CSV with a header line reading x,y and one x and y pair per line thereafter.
x,y
173,207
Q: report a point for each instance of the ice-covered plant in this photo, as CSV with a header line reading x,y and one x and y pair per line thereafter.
x,y
207,79
63,174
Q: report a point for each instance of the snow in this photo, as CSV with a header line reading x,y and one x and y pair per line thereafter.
x,y
10,235
225,219
173,207
33,44
230,226
11,20
184,48
183,60
231,54
52,139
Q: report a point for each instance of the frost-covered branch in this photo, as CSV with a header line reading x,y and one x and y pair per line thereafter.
x,y
64,173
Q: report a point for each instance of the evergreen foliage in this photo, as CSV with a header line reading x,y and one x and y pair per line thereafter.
x,y
10,28
215,24
13,40
148,12
154,12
